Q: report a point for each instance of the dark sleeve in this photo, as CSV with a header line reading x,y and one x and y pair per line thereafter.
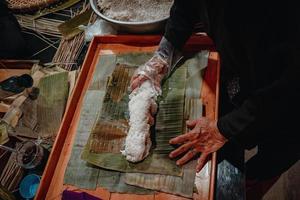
x,y
183,17
270,113
12,42
3,8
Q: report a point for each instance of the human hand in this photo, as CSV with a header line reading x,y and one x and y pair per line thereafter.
x,y
204,137
154,70
160,65
157,68
152,112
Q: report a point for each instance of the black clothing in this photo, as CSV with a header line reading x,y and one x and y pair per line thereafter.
x,y
258,42
272,160
12,43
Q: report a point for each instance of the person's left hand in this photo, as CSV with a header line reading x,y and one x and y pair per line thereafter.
x,y
204,137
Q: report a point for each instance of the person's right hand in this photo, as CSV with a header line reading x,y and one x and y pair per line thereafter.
x,y
153,70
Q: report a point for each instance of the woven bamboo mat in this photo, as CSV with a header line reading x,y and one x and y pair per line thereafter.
x,y
29,5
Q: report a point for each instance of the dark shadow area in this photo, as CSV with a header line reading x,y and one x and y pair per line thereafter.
x,y
251,180
12,43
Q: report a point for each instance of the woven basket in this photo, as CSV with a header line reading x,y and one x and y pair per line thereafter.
x,y
27,6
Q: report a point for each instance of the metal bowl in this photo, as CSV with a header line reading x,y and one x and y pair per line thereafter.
x,y
131,27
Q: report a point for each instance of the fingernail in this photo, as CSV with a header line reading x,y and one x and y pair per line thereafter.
x,y
178,163
171,155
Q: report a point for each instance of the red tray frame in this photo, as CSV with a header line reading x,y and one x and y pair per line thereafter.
x,y
209,95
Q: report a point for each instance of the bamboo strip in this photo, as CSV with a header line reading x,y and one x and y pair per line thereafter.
x,y
69,49
68,52
11,174
45,26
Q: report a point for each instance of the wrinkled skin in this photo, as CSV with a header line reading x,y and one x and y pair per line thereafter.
x,y
203,137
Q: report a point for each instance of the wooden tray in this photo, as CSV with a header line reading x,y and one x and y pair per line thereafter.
x,y
51,186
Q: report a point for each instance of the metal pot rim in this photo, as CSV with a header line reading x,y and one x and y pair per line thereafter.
x,y
97,11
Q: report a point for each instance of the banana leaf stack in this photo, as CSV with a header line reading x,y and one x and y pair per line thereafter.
x,y
103,127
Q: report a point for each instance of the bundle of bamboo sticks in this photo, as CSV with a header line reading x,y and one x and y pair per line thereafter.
x,y
27,6
42,25
68,51
11,174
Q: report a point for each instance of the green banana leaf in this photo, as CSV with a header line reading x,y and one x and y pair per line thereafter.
x,y
109,133
69,29
183,186
78,172
51,103
83,175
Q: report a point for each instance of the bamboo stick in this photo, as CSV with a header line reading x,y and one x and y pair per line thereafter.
x,y
43,25
69,50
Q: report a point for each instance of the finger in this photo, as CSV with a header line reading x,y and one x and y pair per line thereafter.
x,y
134,76
150,119
157,87
183,138
134,84
201,148
183,148
137,81
188,156
153,107
132,80
201,161
191,123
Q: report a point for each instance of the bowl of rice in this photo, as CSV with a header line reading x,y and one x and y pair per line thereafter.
x,y
134,16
